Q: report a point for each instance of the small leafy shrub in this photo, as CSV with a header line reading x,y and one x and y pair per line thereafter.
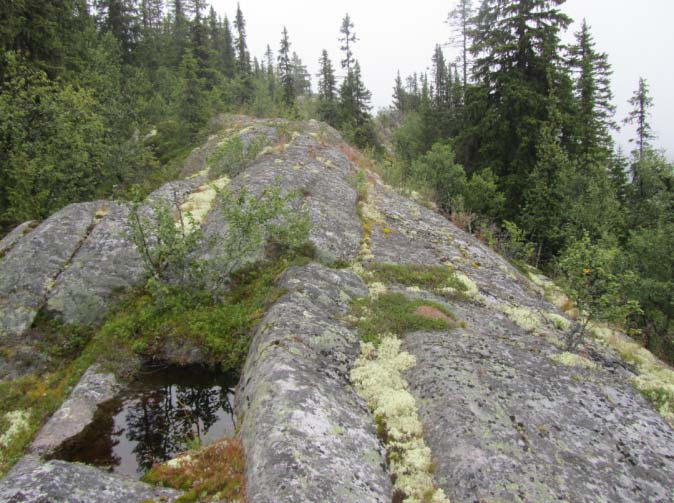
x,y
396,314
515,245
233,156
214,473
601,293
165,238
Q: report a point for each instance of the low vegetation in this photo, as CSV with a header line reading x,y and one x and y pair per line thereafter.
x,y
213,473
439,279
393,313
377,377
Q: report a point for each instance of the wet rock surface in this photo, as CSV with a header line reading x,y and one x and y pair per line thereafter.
x,y
60,482
77,411
307,435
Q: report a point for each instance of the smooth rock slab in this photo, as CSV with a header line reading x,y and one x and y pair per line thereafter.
x,y
106,265
325,188
77,411
8,242
506,424
30,268
62,482
308,437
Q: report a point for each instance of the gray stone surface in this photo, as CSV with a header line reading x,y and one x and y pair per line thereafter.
x,y
77,411
8,242
321,174
62,482
507,424
106,265
30,269
307,435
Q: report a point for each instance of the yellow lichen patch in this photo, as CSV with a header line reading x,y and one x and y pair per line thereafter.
x,y
655,379
573,360
377,289
199,202
18,422
472,290
100,213
558,321
524,318
552,292
377,377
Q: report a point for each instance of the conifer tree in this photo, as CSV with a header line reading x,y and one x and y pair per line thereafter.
x,y
243,58
327,89
228,54
399,94
594,116
460,19
285,70
301,77
520,78
641,102
347,38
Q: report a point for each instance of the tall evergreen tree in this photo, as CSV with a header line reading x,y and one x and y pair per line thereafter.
x,y
301,77
520,78
243,57
642,103
347,38
327,89
460,19
595,110
285,70
399,94
228,55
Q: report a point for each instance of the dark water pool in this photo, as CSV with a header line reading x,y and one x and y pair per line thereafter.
x,y
166,411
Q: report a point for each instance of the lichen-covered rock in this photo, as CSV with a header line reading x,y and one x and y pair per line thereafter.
x,y
77,411
30,269
15,234
105,265
61,482
306,433
507,424
320,174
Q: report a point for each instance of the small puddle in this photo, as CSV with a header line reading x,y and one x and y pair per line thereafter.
x,y
163,413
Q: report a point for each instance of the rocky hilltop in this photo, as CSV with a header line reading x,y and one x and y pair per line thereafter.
x,y
461,392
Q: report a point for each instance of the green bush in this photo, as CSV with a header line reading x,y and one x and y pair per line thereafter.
x,y
233,156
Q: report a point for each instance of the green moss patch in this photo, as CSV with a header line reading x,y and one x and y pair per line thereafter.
x,y
393,313
220,328
439,279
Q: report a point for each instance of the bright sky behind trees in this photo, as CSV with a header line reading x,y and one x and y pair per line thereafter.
x,y
398,35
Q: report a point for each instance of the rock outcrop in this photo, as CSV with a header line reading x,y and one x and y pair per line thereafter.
x,y
505,420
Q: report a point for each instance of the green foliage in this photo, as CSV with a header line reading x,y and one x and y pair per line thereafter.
x,y
233,156
422,276
164,244
186,319
594,282
516,246
393,313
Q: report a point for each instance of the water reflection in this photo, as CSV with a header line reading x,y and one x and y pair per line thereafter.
x,y
165,413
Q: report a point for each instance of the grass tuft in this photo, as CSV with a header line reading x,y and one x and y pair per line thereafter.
x,y
396,314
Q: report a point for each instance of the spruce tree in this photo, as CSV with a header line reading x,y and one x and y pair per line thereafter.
x,y
228,55
347,38
642,103
327,90
520,78
399,94
285,70
243,58
594,117
301,77
460,19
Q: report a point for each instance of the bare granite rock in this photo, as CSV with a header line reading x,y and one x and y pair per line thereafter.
x,y
63,482
8,242
307,435
77,411
30,269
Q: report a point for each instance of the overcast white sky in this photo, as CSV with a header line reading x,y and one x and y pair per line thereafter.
x,y
400,35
